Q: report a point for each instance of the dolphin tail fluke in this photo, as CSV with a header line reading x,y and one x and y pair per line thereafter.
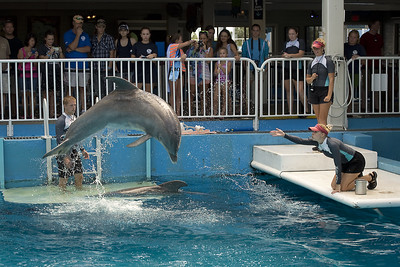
x,y
140,141
173,186
121,83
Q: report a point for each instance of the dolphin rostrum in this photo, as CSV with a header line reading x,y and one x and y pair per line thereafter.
x,y
127,107
168,187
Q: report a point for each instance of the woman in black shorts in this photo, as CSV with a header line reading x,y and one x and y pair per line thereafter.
x,y
349,164
294,70
320,77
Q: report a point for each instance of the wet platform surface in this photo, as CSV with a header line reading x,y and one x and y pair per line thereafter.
x,y
300,165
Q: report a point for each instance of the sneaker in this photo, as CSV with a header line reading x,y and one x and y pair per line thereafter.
x,y
373,183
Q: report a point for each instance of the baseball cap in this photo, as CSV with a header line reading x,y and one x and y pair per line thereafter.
x,y
320,128
100,22
78,19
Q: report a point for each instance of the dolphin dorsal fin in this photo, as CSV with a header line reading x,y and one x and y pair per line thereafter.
x,y
121,83
173,186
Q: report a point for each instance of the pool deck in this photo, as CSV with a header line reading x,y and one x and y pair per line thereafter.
x,y
315,172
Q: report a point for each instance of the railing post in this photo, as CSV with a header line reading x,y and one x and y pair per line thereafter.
x,y
2,169
10,128
98,158
257,83
148,159
47,137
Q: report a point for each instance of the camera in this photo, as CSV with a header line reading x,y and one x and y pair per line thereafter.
x,y
200,43
56,49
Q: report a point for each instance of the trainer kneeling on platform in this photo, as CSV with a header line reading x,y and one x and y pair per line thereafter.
x,y
349,164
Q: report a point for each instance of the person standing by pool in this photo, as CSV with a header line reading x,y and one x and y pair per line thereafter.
x,y
145,49
78,45
294,48
320,77
349,164
102,47
174,70
71,164
199,73
123,46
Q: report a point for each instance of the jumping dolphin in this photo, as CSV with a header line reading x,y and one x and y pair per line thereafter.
x,y
168,187
127,107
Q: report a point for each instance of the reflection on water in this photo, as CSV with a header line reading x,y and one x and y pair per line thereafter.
x,y
225,221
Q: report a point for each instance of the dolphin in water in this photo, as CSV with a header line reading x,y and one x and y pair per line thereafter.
x,y
127,107
168,187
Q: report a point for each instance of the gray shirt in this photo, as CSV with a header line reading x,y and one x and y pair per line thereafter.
x,y
332,148
322,66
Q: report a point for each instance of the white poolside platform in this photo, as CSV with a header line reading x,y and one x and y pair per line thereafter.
x,y
300,165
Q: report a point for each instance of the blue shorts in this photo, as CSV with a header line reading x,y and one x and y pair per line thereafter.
x,y
28,84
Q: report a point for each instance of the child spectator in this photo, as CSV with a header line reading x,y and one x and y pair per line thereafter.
x,y
174,69
221,91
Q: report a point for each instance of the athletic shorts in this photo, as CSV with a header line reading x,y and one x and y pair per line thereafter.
x,y
294,74
317,94
63,171
4,83
355,165
83,78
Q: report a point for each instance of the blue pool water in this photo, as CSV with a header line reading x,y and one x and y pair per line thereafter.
x,y
230,220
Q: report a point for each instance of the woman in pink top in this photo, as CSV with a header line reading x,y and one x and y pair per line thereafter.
x,y
28,76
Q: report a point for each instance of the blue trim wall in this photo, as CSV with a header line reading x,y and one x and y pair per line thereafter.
x,y
199,155
246,125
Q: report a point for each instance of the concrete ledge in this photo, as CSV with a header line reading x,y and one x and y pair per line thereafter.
x,y
358,140
389,165
302,158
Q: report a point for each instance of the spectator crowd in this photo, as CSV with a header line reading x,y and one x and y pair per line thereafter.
x,y
201,75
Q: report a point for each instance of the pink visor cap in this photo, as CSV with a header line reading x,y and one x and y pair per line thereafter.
x,y
319,128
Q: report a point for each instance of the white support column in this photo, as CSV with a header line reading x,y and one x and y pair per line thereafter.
x,y
208,13
332,31
260,10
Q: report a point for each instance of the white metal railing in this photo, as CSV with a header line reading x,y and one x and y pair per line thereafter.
x,y
190,97
250,93
283,88
373,86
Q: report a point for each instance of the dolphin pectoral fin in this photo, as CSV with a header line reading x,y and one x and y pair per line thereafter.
x,y
140,141
60,149
174,158
172,186
121,83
